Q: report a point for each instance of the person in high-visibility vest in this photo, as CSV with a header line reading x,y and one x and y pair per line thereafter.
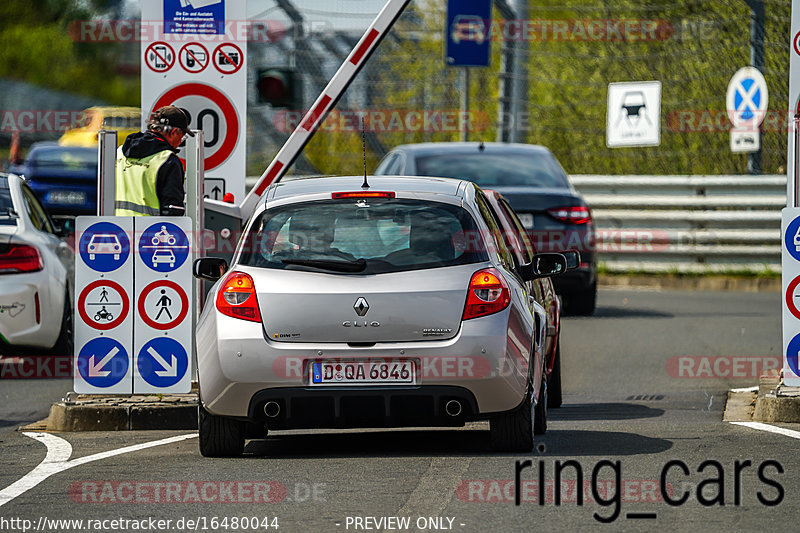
x,y
149,174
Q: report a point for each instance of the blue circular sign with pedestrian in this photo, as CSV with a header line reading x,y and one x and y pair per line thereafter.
x,y
104,246
103,362
162,362
164,247
792,238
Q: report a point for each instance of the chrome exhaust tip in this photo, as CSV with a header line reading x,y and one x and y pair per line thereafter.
x,y
272,409
453,408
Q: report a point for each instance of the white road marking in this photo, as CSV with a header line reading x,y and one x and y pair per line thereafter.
x,y
57,460
746,389
772,429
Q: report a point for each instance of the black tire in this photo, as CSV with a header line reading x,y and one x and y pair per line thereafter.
x,y
540,411
554,382
219,436
513,432
584,302
63,345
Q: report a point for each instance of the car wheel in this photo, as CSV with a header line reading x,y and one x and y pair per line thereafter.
x,y
513,432
554,381
584,302
63,345
219,436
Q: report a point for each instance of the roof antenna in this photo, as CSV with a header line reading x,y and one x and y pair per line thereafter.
x,y
364,185
481,147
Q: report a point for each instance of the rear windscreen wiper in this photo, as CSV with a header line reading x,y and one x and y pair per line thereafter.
x,y
330,264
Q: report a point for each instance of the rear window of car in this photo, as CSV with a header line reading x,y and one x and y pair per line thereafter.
x,y
490,170
76,159
8,216
380,235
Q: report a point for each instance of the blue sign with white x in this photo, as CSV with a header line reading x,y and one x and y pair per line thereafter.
x,y
747,97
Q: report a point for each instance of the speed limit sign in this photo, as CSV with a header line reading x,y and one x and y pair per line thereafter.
x,y
215,97
212,112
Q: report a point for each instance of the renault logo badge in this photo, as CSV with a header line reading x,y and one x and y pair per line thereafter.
x,y
361,306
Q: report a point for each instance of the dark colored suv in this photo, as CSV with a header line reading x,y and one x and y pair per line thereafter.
x,y
555,216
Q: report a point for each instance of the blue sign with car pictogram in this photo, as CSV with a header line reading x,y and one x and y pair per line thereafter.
x,y
104,247
162,362
467,32
102,362
163,247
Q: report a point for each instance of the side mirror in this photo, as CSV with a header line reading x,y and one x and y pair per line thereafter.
x,y
209,268
544,265
573,258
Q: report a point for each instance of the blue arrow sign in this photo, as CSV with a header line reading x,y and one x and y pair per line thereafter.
x,y
103,362
467,31
104,247
162,362
163,247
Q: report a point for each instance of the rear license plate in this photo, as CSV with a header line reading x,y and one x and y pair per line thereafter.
x,y
367,372
67,197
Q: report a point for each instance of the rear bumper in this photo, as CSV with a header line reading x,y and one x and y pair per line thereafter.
x,y
239,369
577,280
356,407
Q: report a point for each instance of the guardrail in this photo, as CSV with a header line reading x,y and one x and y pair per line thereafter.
x,y
692,224
700,224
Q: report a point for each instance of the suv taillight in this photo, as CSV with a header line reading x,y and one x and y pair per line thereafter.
x,y
20,258
237,297
573,215
487,294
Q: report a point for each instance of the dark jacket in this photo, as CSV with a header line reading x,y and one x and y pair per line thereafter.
x,y
169,180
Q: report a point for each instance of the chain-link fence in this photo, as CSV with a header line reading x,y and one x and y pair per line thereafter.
x,y
407,94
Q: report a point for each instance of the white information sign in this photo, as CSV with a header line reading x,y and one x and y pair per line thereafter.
x,y
633,117
162,343
103,305
196,59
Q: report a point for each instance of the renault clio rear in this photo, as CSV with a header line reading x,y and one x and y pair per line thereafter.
x,y
384,306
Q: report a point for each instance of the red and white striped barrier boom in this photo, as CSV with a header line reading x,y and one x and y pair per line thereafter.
x,y
324,103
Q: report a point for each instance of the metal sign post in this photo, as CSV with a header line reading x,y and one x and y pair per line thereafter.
x,y
107,159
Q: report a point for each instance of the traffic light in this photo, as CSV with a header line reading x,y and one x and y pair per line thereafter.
x,y
278,87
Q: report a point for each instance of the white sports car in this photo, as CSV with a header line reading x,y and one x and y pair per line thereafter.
x,y
36,266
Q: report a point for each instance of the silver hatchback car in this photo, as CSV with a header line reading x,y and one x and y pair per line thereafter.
x,y
392,305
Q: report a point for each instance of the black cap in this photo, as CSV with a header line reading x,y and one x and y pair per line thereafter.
x,y
170,115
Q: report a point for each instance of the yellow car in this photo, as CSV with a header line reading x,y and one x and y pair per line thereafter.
x,y
125,120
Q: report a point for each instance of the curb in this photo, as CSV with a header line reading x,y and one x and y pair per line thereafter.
x,y
695,283
769,404
121,413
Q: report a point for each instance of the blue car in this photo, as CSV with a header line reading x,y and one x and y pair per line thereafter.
x,y
63,177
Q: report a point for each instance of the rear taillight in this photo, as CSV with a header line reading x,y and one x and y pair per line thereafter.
x,y
487,294
237,297
20,258
572,215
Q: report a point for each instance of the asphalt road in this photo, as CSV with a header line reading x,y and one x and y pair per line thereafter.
x,y
645,383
